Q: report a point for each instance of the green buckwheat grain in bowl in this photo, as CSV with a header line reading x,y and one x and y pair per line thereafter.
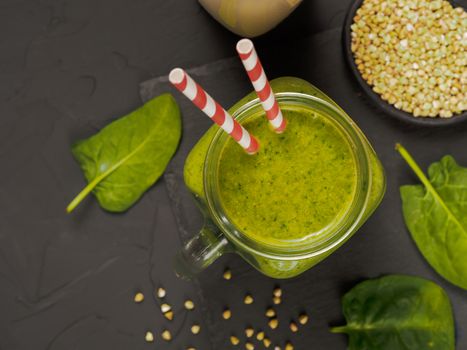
x,y
413,54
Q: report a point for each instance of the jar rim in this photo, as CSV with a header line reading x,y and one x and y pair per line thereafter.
x,y
336,233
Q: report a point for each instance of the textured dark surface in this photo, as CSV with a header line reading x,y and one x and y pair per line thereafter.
x,y
67,282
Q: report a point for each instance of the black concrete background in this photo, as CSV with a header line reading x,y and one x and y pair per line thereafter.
x,y
67,281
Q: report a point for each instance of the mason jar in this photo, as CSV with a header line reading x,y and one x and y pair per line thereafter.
x,y
220,235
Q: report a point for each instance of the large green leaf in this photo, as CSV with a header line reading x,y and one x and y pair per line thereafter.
x,y
398,313
436,216
126,157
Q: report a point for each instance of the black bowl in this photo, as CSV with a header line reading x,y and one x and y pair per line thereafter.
x,y
385,106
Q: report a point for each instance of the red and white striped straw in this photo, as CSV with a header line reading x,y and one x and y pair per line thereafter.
x,y
252,64
186,85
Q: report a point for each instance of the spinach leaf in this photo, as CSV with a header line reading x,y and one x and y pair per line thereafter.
x,y
436,216
398,312
127,156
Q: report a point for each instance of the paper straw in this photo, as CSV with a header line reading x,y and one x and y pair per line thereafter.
x,y
260,82
187,86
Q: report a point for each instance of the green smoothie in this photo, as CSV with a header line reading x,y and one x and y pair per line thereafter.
x,y
292,194
299,183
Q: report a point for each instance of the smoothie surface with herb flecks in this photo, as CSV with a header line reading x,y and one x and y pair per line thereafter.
x,y
299,183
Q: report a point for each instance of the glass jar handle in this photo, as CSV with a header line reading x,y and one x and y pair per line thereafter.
x,y
200,252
